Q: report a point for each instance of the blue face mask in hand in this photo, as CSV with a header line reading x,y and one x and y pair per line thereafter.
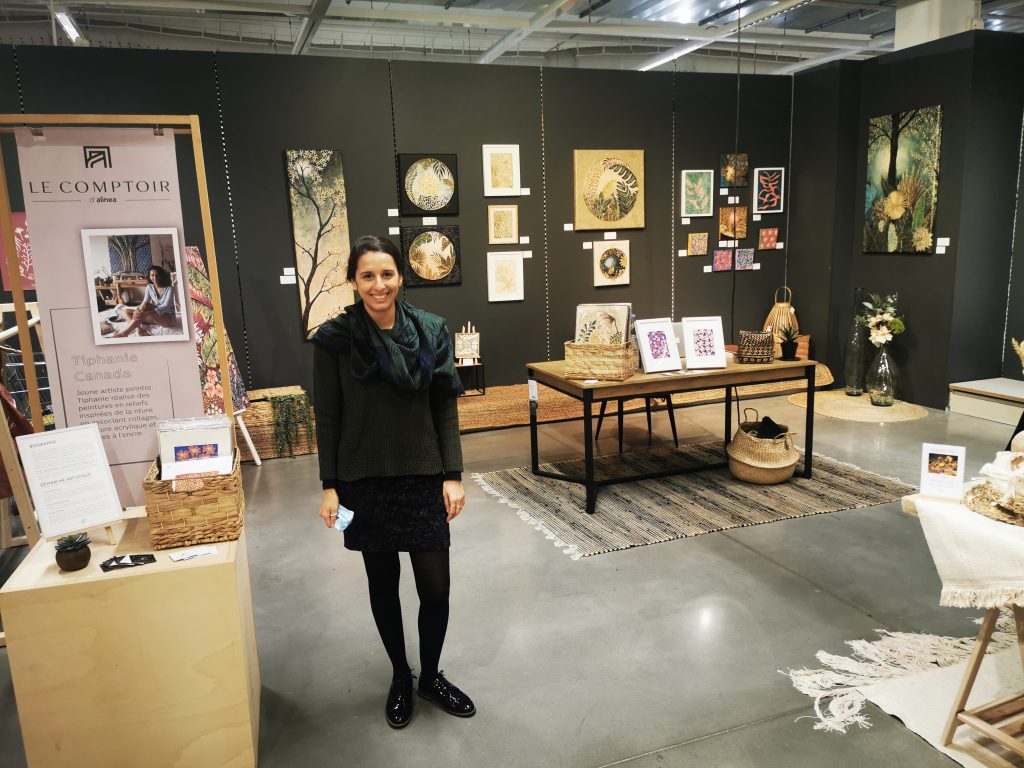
x,y
344,518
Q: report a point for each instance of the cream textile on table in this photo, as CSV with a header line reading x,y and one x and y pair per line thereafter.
x,y
980,561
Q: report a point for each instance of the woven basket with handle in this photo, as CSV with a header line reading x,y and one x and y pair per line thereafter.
x,y
782,315
755,347
759,461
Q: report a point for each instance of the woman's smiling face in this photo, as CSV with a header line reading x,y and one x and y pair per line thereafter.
x,y
377,281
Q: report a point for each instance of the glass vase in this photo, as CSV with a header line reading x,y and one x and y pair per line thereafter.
x,y
856,353
880,380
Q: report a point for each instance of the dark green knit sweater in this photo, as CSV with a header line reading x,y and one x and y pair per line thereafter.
x,y
373,429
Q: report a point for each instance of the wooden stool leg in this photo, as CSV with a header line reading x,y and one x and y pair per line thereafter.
x,y
988,626
1018,619
600,420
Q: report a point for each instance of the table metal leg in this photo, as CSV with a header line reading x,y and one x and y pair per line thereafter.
x,y
650,433
600,420
534,454
621,404
728,414
672,419
809,423
588,451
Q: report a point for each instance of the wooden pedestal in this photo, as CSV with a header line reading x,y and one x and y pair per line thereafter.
x,y
154,665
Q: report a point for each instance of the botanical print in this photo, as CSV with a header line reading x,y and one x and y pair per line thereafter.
x,y
732,222
734,170
201,298
319,204
767,238
23,248
609,188
704,341
505,276
602,323
611,262
433,255
902,181
698,193
697,244
467,345
428,184
502,224
658,343
501,170
723,260
744,259
768,190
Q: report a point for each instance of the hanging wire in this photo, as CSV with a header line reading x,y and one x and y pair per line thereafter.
x,y
1013,237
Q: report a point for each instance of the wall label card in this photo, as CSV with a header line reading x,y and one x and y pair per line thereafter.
x,y
609,236
707,268
779,246
527,254
524,239
686,219
524,191
429,221
69,477
288,271
756,217
723,191
567,227
943,241
588,246
940,249
942,470
393,213
394,230
682,252
757,265
288,280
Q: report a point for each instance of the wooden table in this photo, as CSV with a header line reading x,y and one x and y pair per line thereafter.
x,y
552,374
152,665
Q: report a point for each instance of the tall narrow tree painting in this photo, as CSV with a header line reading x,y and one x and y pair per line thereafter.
x,y
316,186
902,181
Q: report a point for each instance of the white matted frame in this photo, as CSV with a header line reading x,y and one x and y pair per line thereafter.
x,y
505,276
496,237
756,202
657,342
501,170
703,343
706,210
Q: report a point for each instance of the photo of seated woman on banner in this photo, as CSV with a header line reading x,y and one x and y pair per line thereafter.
x,y
134,278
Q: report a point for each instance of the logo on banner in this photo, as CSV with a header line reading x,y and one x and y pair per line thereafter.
x,y
97,157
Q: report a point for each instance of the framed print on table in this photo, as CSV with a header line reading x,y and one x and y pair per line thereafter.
x,y
505,276
501,170
658,348
703,343
503,224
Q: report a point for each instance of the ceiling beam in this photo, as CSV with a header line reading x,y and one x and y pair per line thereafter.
x,y
882,42
537,21
309,26
669,31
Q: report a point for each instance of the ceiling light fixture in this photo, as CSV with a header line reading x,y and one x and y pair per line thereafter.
x,y
67,23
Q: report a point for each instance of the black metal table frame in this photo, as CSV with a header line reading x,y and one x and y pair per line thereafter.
x,y
592,484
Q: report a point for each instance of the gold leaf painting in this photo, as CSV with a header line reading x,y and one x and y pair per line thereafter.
x,y
505,276
608,188
501,170
433,255
732,222
611,262
502,224
429,185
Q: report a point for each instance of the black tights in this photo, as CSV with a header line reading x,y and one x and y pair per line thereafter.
x,y
432,583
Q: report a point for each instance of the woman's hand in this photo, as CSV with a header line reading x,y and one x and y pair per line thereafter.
x,y
329,506
454,498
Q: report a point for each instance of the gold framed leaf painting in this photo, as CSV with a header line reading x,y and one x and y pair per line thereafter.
x,y
608,188
429,185
319,207
502,224
611,263
432,256
697,189
902,182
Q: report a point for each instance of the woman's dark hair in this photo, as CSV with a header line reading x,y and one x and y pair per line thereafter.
x,y
163,277
374,244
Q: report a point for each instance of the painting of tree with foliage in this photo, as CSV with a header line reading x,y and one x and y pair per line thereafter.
x,y
316,187
902,181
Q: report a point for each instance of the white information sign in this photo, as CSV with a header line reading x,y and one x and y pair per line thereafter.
x,y
942,470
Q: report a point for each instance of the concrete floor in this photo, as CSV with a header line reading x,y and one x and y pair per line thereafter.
x,y
665,655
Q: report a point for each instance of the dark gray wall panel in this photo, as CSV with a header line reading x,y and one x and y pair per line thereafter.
x,y
1015,311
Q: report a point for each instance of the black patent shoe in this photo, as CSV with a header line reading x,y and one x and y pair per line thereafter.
x,y
398,710
447,696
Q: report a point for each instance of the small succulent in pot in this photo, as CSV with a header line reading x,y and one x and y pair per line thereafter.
x,y
789,336
73,552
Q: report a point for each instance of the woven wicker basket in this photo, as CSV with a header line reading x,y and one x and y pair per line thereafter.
x,y
762,462
607,362
756,347
211,511
985,499
259,420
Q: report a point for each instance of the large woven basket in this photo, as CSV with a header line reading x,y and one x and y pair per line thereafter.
x,y
985,499
762,462
212,509
259,420
607,362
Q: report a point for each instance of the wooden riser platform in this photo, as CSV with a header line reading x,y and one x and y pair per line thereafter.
x,y
1000,400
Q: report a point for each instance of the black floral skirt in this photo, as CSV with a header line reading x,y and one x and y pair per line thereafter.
x,y
396,514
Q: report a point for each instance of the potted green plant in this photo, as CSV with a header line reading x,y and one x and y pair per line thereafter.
x,y
789,335
73,552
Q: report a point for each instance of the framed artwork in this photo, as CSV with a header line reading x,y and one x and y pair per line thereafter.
x,y
734,170
703,343
767,238
697,244
608,188
429,185
432,256
722,261
902,181
501,170
125,268
611,262
698,192
603,323
769,191
658,348
502,224
744,261
467,346
319,208
732,222
505,276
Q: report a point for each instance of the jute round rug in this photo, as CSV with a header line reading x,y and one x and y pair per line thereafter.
x,y
838,405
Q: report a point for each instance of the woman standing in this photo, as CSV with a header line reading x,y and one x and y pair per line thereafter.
x,y
387,423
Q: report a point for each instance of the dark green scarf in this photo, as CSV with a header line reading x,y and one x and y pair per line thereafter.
x,y
414,354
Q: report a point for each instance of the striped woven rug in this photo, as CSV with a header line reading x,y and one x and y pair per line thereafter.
x,y
675,507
